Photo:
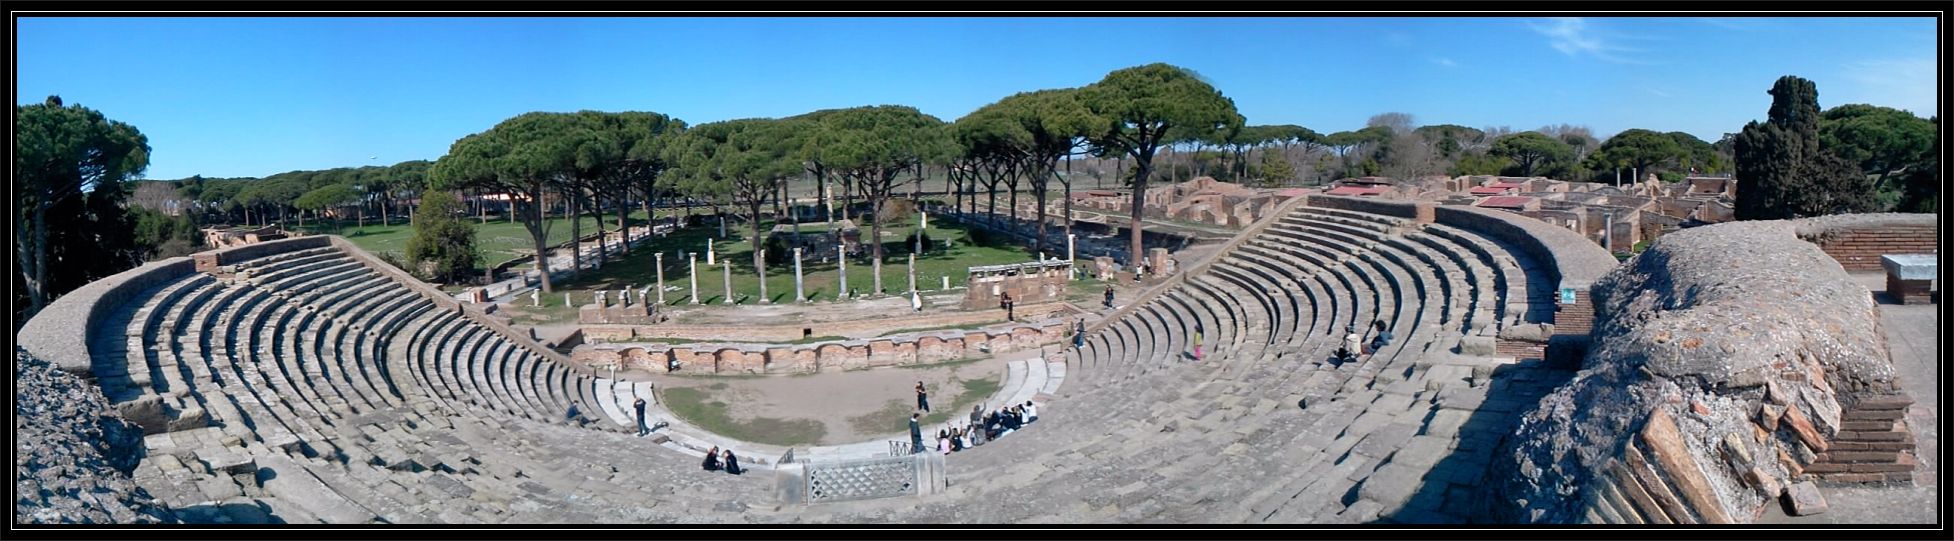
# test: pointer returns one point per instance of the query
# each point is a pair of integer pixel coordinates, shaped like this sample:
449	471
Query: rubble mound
1725	361
75	453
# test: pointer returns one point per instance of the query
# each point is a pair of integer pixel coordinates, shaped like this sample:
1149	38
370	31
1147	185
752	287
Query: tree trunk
537	233
1038	245
624	223
759	249
34	266
576	234
1145	165
875	205
597	213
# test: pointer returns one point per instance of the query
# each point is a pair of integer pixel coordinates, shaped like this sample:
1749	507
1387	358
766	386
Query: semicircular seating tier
373	397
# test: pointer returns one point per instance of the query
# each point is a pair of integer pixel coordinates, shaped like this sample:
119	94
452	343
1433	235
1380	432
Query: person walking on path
915	433
1004	301
1079	334
1109	297
639	406
922	398
916	301
1197	342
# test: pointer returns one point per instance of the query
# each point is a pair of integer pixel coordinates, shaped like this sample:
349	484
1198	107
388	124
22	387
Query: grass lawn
696	407
821	280
896	412
497	240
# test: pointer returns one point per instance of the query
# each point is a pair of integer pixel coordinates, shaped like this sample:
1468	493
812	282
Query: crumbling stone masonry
1727	363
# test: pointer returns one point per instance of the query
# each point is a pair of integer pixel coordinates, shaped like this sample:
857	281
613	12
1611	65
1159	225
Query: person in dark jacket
922	397
1109	297
712	459
915	433
639	406
732	463
1383	337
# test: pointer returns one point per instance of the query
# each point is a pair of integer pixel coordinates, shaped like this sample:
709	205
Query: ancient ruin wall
1727	362
900	350
1857	240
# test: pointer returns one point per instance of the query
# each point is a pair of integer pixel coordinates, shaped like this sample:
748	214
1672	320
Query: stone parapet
904	350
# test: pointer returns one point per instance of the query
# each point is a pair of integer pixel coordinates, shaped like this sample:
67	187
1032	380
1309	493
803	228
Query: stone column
799	295
566	299
946	283
709	253
692	262
1072	268
912	272
762	254
660	256
727	268
841	253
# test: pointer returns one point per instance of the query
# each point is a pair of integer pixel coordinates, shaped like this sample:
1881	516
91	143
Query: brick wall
1873	444
1859	250
1577	318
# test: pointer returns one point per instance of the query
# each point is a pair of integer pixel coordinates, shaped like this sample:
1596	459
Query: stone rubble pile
74	453
1727	361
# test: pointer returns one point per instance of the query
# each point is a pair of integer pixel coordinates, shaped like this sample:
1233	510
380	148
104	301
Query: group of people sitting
1353	343
985	427
717	460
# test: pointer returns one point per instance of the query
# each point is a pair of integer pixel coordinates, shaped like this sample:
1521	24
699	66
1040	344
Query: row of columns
800	292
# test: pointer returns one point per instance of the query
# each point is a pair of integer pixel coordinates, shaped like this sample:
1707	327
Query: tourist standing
1079	334
639	406
915	433
922	398
1004	301
1109	297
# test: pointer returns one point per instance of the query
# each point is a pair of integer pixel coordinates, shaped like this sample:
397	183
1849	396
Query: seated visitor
956	440
712	459
732	463
943	441
1383	336
1353	344
1031	411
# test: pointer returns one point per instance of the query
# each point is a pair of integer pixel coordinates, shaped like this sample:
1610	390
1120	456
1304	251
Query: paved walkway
1912	336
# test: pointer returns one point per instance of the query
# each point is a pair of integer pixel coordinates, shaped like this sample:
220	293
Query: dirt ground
853	406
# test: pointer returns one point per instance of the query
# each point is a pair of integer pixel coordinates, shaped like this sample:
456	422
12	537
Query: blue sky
251	97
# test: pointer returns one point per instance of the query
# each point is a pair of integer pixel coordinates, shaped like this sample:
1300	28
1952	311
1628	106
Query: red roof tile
1489	190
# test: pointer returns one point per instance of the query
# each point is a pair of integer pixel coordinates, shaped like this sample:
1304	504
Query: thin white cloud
1900	83
1658	92
1443	61
1573	37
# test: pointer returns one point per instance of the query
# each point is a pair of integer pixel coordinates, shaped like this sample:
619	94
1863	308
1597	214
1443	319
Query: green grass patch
700	409
820	280
893	416
974	391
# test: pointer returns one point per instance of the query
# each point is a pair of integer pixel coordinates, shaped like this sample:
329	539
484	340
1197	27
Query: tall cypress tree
1782	170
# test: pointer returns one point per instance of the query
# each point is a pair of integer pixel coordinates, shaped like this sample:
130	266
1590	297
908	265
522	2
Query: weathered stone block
1805	499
